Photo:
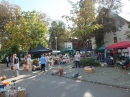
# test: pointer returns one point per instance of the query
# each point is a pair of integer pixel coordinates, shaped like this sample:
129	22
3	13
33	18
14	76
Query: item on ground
21	92
2	94
72	66
55	72
10	91
75	75
3	78
61	70
103	64
65	73
89	69
5	82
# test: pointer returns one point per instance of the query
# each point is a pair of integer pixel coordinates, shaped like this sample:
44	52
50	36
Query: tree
107	11
8	12
44	18
83	18
26	32
57	29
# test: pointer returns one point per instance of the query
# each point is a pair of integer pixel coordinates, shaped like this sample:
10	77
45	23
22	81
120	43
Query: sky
57	8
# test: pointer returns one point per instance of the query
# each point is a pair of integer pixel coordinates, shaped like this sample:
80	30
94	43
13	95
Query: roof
40	49
114	15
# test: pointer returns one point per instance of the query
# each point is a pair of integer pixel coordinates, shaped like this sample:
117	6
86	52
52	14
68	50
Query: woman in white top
29	63
77	59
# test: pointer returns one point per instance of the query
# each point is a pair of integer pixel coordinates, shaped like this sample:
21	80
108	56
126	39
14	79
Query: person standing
7	61
26	65
43	62
77	59
16	64
47	61
29	63
10	60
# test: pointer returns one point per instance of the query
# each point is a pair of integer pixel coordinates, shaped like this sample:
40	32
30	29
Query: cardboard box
2	94
88	69
22	93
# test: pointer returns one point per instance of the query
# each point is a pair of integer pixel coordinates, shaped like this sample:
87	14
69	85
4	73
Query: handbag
12	68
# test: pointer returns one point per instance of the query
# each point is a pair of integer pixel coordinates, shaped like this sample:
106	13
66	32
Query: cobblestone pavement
102	75
45	85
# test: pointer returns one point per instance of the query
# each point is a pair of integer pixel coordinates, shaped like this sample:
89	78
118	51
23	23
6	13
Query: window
115	39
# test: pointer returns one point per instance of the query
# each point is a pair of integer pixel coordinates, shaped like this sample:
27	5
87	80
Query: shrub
88	62
21	62
3	55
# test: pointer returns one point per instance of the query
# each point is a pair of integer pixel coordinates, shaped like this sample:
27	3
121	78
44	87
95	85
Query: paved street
46	85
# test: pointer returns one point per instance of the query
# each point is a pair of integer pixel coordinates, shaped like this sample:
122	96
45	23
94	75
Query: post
0	46
56	45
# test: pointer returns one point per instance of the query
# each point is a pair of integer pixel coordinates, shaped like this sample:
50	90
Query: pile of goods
2	77
89	69
7	89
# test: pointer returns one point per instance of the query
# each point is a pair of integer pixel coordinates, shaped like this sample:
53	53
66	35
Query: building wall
109	37
68	45
73	43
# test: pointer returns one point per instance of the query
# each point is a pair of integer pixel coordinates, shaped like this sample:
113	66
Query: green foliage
88	62
3	54
21	62
57	29
83	18
30	32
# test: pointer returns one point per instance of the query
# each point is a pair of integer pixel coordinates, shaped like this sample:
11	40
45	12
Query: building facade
117	36
76	44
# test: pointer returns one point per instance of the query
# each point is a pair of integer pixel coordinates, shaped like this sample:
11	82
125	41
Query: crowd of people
42	63
46	61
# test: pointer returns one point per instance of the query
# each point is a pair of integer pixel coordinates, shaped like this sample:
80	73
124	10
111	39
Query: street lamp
56	45
0	46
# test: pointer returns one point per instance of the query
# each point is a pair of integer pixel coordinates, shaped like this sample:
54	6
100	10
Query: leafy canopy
26	32
83	19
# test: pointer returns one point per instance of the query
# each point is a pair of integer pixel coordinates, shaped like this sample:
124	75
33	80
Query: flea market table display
8	89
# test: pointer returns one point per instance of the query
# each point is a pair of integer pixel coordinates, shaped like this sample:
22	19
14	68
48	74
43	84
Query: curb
117	86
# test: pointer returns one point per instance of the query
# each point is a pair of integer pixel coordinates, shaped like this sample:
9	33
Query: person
35	65
26	65
10	60
47	61
43	62
16	64
77	59
7	61
29	62
114	55
110	61
125	62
